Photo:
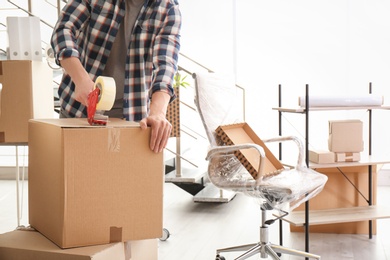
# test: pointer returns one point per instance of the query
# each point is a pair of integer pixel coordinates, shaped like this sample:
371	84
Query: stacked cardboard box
27	93
32	245
321	156
345	143
93	185
346	139
92	191
88	186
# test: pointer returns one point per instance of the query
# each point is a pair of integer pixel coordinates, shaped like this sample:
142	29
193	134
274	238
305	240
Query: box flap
83	123
242	133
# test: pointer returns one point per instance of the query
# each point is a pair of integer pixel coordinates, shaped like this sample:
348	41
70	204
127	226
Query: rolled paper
342	101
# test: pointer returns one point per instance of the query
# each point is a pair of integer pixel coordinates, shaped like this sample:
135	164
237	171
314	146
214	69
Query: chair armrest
232	148
297	141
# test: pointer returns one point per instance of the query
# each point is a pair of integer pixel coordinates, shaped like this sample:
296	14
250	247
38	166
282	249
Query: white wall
335	46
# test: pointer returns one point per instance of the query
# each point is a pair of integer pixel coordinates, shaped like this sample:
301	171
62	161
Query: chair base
265	250
210	193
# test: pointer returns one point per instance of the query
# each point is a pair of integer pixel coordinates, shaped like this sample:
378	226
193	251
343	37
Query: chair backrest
216	100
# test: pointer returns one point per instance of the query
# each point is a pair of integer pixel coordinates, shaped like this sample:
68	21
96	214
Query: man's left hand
161	130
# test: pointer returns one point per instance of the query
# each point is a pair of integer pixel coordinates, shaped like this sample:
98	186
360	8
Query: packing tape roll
107	92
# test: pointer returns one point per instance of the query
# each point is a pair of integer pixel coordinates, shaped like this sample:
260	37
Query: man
136	42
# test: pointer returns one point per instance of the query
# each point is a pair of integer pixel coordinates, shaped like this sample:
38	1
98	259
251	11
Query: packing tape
107	92
114	139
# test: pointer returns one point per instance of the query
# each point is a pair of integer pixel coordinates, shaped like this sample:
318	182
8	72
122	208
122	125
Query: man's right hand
78	74
82	91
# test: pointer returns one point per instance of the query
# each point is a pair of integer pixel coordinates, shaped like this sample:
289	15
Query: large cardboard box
27	93
31	245
345	136
242	133
93	185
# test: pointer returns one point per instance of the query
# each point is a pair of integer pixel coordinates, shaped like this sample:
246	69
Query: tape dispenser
101	99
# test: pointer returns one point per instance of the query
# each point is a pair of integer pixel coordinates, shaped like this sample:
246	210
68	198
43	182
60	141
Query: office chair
281	190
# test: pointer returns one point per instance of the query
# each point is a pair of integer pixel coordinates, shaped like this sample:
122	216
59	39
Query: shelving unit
309	217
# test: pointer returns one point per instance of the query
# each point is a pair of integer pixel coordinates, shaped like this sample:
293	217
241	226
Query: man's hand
161	128
84	84
82	91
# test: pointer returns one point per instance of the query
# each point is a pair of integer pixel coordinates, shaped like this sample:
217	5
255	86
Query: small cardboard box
347	157
31	245
321	156
27	93
242	133
93	185
345	136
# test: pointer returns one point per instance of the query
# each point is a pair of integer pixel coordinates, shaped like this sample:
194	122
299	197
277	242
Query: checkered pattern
87	29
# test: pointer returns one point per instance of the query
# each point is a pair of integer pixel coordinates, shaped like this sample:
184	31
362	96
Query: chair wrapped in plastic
282	189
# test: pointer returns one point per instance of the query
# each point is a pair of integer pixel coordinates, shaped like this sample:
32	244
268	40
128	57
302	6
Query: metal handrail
30	13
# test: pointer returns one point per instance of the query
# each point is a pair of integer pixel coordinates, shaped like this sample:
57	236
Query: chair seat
289	186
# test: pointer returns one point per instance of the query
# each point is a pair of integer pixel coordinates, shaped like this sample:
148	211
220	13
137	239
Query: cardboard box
31	245
242	133
321	156
142	249
27	93
345	136
347	157
93	185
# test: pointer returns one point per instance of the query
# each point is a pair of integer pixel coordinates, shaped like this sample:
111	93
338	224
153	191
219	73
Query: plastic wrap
288	189
216	102
285	190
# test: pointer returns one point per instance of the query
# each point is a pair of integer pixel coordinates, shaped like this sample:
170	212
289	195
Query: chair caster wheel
219	257
165	235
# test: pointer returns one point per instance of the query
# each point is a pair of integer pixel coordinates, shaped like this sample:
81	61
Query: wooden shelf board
339	215
364	161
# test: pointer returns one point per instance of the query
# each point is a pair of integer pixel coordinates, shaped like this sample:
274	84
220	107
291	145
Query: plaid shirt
86	29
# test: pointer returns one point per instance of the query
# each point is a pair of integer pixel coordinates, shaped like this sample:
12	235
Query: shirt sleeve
166	52
64	39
